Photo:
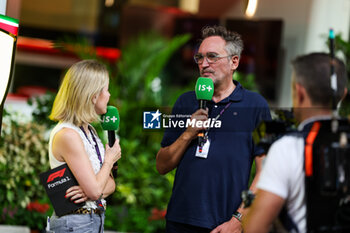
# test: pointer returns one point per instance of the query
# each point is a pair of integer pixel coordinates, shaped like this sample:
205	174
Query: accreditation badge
205	150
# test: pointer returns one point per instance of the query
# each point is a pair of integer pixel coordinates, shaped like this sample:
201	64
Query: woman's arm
77	195
109	188
68	146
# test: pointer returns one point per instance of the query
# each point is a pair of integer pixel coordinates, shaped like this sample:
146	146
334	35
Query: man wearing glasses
206	195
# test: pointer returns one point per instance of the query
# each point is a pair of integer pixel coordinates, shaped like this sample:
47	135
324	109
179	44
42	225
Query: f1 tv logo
55	175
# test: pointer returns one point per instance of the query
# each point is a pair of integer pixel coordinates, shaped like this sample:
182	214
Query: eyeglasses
210	57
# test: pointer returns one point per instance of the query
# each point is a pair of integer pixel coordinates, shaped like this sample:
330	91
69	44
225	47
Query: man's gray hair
234	42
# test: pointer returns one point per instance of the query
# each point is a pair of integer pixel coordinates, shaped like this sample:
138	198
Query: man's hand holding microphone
204	92
199	115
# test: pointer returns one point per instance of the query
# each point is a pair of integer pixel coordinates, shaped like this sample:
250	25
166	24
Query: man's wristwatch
237	215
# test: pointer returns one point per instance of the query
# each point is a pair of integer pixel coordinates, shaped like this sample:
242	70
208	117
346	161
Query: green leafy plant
42	108
342	46
23	156
246	80
33	216
138	86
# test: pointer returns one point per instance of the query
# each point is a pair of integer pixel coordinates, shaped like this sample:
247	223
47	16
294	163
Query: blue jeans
77	223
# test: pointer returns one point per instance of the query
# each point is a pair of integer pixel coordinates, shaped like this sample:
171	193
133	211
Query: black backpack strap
287	221
322	188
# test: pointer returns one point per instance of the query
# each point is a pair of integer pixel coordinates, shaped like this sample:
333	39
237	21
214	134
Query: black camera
269	131
266	133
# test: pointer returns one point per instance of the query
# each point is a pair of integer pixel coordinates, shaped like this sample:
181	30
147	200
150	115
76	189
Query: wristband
237	215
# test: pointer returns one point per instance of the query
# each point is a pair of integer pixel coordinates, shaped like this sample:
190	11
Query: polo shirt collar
236	95
310	120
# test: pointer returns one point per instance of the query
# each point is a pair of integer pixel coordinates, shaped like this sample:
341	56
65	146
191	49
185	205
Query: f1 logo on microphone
151	120
55	175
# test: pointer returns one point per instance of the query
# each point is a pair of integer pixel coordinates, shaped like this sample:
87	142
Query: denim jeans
77	223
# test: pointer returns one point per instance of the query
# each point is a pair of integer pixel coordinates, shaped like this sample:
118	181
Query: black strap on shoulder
287	221
324	162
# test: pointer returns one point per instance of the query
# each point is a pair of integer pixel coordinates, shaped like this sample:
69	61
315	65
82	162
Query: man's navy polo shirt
207	192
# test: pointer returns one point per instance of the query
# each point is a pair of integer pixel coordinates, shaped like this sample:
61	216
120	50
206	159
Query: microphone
204	92
110	122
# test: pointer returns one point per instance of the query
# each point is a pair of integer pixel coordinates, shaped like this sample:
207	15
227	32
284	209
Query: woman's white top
90	151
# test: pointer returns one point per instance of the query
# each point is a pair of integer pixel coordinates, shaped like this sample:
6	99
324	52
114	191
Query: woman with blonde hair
82	97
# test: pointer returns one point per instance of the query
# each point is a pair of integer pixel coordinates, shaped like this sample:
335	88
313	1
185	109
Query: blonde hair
74	100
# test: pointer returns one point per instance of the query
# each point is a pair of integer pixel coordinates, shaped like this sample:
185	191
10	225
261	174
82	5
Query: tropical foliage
23	156
342	46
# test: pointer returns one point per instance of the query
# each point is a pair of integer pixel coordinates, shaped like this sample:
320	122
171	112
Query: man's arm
234	225
263	212
169	157
258	168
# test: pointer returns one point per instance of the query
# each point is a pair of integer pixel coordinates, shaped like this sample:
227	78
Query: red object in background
25	92
47	47
111	54
174	11
32	91
16	97
36	45
157	214
38	207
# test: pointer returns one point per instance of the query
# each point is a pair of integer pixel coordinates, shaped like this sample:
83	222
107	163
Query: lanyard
97	202
96	145
216	118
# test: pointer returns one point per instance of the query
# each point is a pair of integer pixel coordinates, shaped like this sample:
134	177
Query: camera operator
282	192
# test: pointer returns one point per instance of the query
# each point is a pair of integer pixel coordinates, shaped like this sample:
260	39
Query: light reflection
251	8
